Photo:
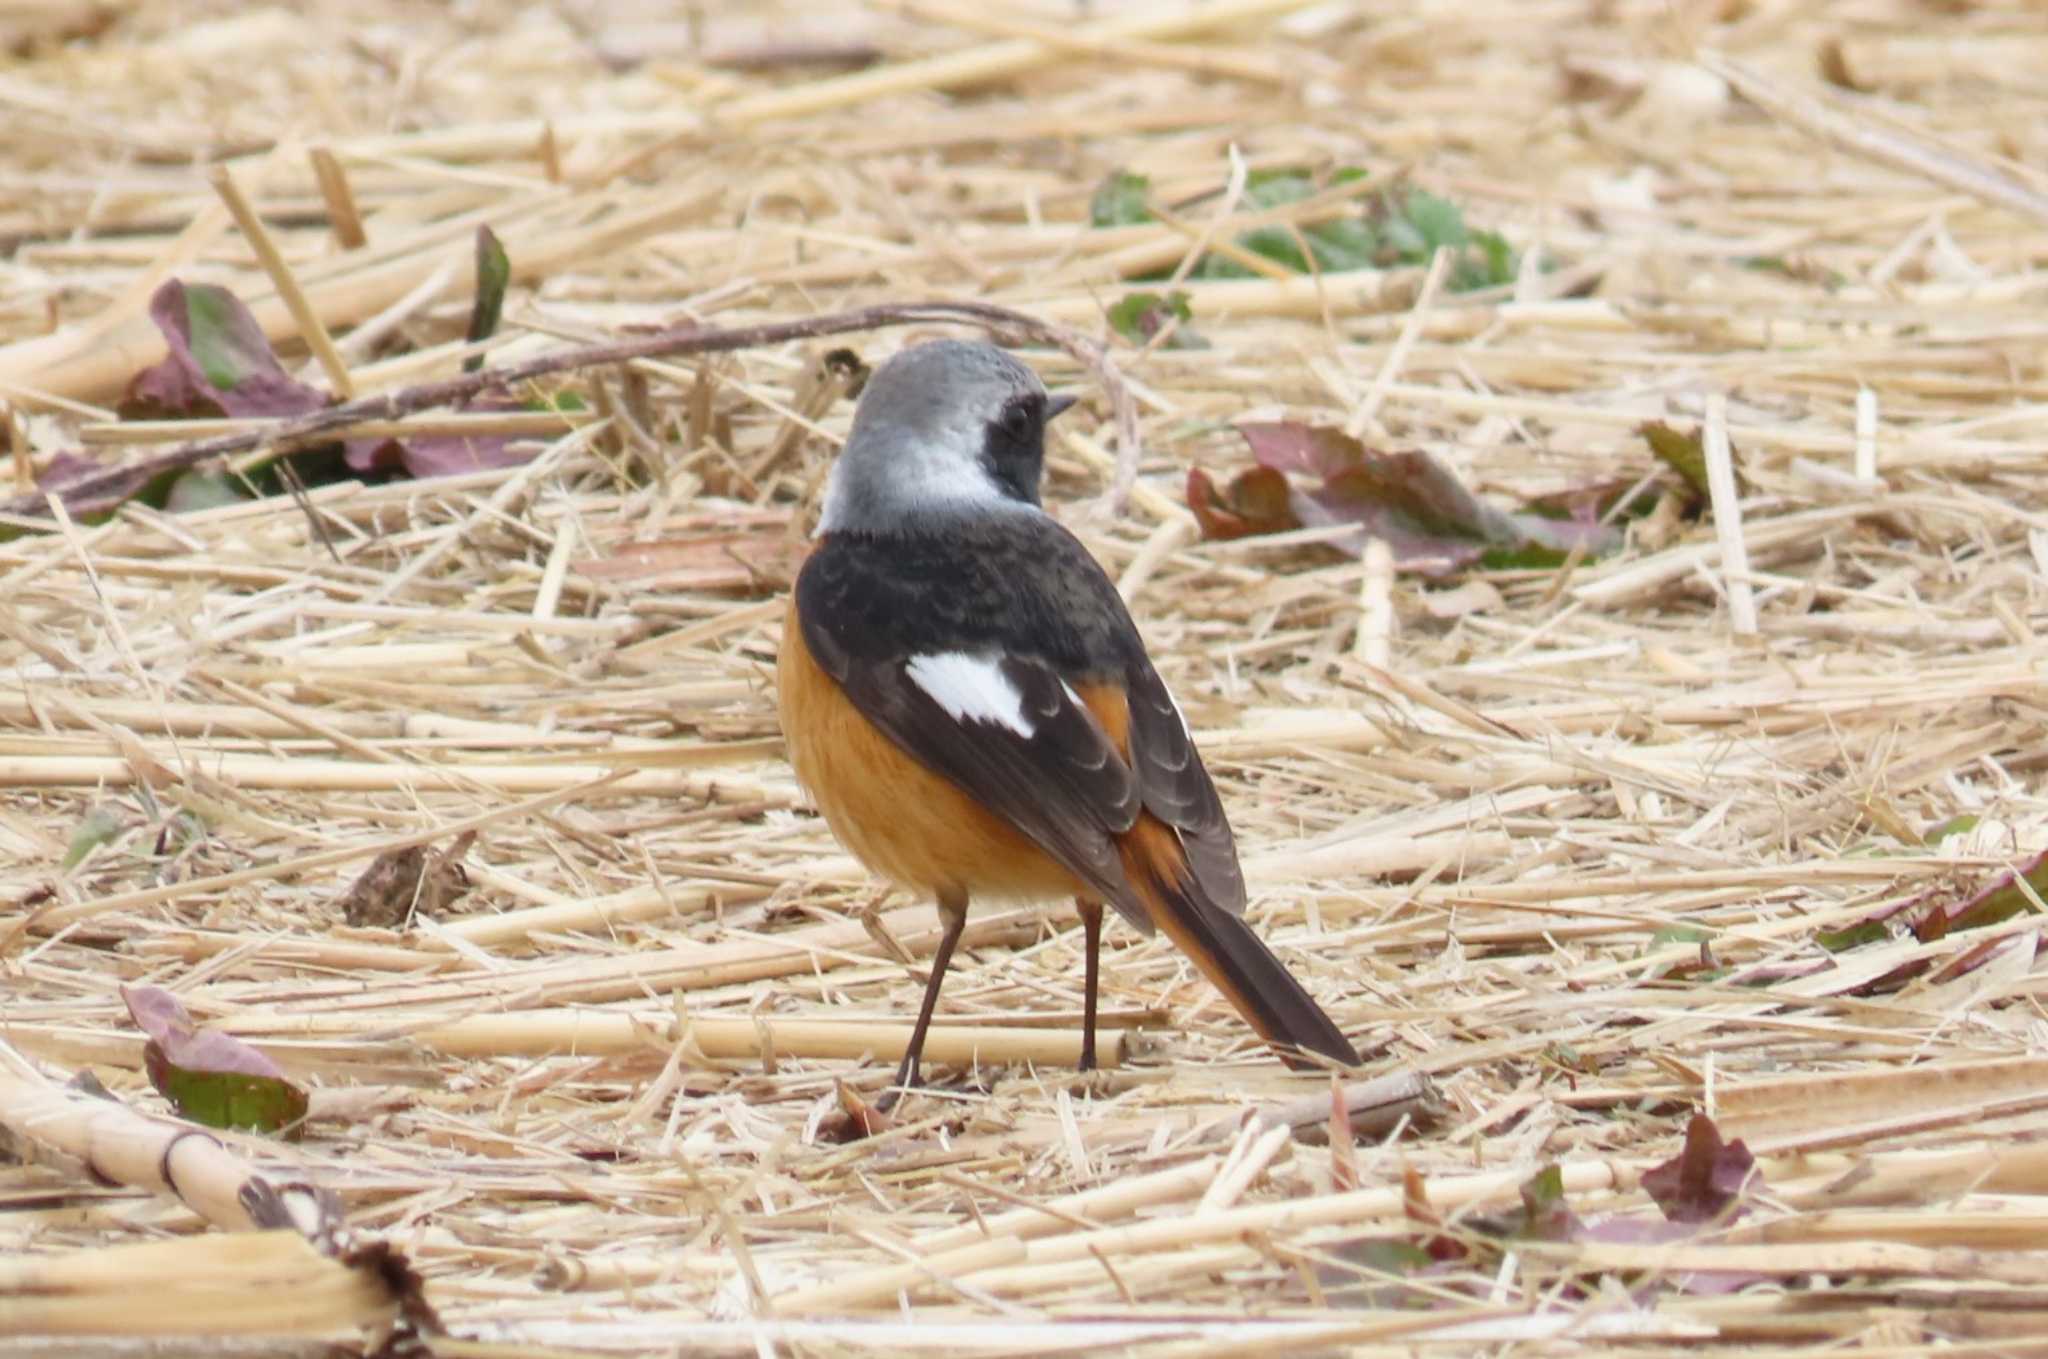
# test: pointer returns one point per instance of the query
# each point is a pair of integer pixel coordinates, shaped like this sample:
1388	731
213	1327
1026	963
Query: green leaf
1960	824
1499	257
2004	901
198	490
1682	453
1438	221
212	324
1545	1214
1389	1255
1677	934
1524	557
212	1078
1276	243
493	275
1120	201
1140	316
1276	187
98	827
220	1099
1852	936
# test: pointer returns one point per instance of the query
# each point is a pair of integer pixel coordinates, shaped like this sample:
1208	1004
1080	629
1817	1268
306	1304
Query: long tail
1226	950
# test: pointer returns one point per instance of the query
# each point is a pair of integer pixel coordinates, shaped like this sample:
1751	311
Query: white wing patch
971	689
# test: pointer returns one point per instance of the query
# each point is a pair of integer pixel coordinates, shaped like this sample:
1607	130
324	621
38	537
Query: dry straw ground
584	1102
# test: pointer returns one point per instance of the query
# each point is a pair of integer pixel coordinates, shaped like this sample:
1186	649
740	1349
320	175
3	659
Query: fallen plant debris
1706	1181
1703	1187
406	882
1412	502
1469	870
1684	454
211	1077
98	827
1935	914
1399	226
854	1119
1141	317
87	487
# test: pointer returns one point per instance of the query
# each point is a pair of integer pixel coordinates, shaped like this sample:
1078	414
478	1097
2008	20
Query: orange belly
906	823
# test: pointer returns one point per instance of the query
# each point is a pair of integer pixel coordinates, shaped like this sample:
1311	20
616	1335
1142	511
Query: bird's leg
953	916
1091	924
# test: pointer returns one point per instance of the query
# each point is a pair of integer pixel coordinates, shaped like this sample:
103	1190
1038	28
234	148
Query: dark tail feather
1223	946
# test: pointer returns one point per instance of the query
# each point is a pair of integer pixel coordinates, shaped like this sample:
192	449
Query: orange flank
907	823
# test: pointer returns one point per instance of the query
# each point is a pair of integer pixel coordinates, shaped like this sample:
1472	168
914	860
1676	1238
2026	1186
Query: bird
965	697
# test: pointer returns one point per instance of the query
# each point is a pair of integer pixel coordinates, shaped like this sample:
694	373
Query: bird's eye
1017	420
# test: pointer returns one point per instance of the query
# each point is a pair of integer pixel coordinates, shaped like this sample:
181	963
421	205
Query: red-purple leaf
441	455
220	362
1705	1180
2000	902
1306	450
1416	1207
159	1014
212	1078
1410	501
1545	1214
1257	500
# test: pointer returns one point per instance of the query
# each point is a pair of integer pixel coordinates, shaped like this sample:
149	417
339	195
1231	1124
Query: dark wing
1175	787
1024	746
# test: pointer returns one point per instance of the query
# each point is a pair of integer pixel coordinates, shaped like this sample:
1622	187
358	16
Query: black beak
1056	403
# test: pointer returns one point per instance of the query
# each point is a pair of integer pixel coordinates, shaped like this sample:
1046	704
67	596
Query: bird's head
945	430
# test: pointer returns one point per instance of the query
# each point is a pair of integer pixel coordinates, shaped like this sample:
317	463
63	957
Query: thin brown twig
115	483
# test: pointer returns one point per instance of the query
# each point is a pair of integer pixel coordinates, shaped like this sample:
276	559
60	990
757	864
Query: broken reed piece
217	1284
343	216
1374	1108
311	328
1727	502
583	1033
161	1155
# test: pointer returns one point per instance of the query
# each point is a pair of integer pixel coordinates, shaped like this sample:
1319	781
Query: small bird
967	700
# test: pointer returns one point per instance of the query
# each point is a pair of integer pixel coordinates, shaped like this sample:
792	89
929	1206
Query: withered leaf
1257	500
1705	1179
400	883
1410	501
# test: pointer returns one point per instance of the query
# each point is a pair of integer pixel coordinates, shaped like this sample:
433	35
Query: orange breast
903	821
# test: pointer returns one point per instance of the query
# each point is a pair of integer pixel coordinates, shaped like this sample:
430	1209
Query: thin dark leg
1091	922
953	914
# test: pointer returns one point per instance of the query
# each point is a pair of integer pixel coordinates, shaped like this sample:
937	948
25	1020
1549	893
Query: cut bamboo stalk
241	1283
516	424
587	1034
1447	1193
311	331
260	771
1727	509
690	967
1887	145
343	216
599	914
1758	1111
861	1289
1087	1208
1128	51
2026	1267
994	61
114	1142
57	917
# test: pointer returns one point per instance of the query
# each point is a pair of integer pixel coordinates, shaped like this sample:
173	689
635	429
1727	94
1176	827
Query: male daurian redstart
966	698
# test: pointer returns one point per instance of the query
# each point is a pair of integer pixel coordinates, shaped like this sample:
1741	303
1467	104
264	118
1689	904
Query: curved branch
117	483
